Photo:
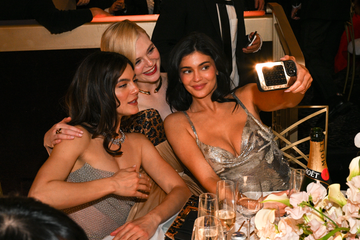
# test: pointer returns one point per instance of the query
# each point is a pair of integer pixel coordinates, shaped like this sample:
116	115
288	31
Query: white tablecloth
160	232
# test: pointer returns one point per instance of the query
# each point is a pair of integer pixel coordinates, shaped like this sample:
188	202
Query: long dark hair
177	96
91	99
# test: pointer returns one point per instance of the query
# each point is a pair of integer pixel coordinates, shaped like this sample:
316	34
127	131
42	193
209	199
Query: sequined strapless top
259	156
100	217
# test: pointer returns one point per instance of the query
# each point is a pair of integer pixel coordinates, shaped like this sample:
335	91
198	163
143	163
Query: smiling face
198	74
126	91
147	60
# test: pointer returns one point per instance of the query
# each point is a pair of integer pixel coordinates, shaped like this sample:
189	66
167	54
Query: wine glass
249	197
225	192
208	204
207	228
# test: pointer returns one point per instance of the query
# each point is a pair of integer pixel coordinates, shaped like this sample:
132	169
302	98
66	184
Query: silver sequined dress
101	217
260	156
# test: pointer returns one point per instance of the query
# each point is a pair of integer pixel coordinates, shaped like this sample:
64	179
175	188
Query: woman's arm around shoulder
60	131
169	180
279	99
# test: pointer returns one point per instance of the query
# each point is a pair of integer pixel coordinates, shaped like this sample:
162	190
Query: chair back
287	135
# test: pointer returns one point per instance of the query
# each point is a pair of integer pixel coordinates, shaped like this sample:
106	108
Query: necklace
156	89
119	140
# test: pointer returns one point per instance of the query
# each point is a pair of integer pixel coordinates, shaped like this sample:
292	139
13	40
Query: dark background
32	87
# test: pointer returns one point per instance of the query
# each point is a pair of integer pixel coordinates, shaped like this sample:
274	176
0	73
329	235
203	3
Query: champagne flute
249	197
208	204
207	228
225	190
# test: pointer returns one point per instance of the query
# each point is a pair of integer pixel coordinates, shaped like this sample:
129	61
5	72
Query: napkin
181	228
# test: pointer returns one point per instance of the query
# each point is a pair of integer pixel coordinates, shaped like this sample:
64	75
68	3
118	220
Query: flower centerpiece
315	213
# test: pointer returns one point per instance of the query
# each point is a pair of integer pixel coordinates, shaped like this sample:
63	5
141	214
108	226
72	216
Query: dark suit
322	23
181	17
136	7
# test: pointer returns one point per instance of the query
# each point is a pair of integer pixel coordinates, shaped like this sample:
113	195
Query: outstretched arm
280	99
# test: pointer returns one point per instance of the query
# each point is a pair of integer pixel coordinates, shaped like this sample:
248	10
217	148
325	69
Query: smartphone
252	39
275	75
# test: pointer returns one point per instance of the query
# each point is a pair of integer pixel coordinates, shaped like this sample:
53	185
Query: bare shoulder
247	89
136	137
246	93
177	118
249	95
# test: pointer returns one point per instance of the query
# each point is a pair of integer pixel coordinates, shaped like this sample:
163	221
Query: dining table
179	226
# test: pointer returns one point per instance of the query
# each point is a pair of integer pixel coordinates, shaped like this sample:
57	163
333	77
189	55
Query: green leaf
332	233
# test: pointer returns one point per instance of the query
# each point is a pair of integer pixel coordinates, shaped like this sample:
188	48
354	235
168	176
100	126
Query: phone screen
252	39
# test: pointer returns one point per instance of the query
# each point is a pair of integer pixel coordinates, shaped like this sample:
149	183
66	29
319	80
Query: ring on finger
58	131
139	175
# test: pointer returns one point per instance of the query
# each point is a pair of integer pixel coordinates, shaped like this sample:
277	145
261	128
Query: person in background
139	7
179	18
26	218
117	8
46	14
341	56
123	7
96	178
254	5
322	24
217	134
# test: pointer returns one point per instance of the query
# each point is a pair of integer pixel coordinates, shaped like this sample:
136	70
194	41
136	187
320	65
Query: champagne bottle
316	169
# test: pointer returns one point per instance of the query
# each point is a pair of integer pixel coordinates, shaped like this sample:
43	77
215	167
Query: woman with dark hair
218	134
26	218
96	178
177	96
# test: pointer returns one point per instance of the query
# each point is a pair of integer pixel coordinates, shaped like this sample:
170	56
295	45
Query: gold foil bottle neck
317	156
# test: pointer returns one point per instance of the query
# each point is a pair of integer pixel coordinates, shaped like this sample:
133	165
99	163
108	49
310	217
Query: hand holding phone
275	75
252	39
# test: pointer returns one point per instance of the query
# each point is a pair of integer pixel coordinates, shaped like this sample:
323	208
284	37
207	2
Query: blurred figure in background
179	18
123	7
341	56
322	23
46	14
26	218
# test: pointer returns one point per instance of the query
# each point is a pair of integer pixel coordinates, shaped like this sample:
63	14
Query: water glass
208	204
207	228
296	178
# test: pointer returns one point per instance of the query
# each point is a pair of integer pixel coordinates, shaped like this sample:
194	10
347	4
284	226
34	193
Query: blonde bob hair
121	37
